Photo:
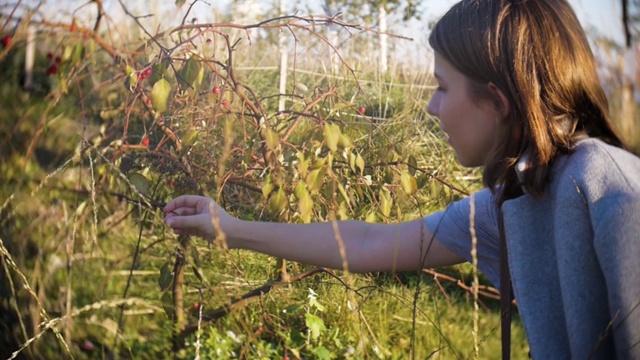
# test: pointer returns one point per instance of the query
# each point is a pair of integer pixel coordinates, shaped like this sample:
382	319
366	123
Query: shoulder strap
505	293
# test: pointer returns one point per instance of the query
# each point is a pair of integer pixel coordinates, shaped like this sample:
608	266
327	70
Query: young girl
518	94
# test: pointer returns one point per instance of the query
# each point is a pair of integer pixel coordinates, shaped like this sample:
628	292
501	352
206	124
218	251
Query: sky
603	15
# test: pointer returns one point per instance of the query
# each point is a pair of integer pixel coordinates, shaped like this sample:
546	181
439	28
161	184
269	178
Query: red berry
361	110
144	74
6	40
49	56
88	345
170	183
225	102
58	60
216	90
148	101
73	27
145	141
196	305
208	41
52	70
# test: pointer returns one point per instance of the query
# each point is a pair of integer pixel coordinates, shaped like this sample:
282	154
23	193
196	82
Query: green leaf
268	186
140	183
315	324
278	202
332	136
158	71
189	138
413	165
131	81
195	255
167	304
190	75
165	279
160	95
409	183
322	353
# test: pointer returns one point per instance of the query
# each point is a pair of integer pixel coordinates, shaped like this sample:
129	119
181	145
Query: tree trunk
382	17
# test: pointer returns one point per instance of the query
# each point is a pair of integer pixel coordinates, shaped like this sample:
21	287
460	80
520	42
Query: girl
518	94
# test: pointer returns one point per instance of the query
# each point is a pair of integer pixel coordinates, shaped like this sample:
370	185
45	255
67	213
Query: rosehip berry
145	141
58	59
225	102
88	345
148	101
73	27
52	70
196	305
208	41
49	56
216	90
6	40
361	110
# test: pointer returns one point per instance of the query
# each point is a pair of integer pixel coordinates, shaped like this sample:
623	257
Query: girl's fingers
183	211
183	201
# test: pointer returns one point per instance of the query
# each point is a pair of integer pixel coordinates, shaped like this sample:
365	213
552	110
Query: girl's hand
196	215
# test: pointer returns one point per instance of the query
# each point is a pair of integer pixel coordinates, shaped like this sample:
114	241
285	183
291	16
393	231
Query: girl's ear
501	101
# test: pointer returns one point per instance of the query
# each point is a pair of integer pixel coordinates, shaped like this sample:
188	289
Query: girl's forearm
356	245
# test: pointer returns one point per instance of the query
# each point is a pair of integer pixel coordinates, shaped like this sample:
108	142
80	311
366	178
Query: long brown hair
537	54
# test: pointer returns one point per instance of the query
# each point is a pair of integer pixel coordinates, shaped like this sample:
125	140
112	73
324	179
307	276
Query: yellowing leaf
360	163
345	142
332	135
315	179
160	95
305	204
409	183
303	165
271	138
385	202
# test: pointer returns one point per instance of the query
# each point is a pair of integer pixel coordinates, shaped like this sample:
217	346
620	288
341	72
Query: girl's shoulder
599	167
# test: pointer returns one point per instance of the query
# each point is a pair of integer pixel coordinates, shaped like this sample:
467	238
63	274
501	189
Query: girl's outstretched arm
360	246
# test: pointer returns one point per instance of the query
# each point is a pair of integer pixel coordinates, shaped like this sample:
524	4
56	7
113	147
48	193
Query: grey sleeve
451	227
616	225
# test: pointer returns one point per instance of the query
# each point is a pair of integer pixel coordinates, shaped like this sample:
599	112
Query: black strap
505	294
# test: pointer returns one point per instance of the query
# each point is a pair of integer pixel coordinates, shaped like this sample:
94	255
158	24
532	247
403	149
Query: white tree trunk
382	19
29	57
283	62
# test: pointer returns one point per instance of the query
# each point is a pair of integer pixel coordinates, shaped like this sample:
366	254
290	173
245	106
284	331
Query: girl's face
470	123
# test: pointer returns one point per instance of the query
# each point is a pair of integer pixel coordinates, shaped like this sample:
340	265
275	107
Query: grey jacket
574	254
